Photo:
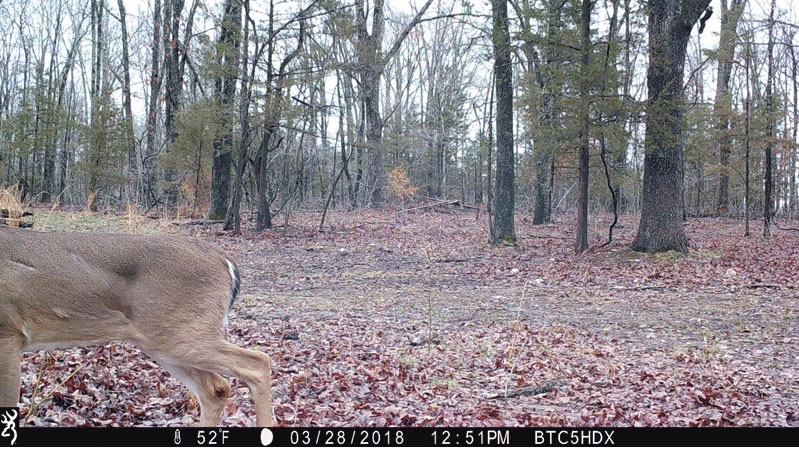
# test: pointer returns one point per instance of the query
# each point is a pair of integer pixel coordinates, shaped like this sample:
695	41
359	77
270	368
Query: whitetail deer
167	295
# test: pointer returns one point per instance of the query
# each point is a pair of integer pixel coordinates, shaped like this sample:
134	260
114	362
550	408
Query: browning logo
8	422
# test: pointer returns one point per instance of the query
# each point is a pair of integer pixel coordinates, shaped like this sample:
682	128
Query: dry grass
90	200
132	217
12	206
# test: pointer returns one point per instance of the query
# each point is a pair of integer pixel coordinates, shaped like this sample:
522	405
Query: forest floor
413	319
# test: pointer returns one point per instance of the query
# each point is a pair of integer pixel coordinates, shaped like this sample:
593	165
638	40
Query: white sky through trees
22	16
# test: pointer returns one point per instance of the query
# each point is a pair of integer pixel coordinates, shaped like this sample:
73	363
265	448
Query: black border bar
402	437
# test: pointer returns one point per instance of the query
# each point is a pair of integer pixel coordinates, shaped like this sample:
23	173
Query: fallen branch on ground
640	287
789	286
525	391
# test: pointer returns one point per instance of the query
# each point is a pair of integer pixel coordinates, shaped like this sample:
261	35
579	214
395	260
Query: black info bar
396	437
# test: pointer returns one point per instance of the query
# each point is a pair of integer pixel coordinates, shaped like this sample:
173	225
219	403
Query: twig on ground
789	286
640	287
525	391
36	405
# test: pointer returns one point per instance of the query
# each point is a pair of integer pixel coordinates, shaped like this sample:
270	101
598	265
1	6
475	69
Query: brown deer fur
170	296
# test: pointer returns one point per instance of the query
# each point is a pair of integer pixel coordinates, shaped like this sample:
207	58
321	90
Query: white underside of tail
234	279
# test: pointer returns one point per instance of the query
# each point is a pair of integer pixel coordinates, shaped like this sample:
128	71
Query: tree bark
661	226
722	105
173	89
767	179
794	147
547	140
274	96
747	118
372	62
132	162
150	156
581	238
504	229
225	89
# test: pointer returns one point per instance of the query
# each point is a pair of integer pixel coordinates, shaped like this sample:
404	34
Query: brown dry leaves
624	339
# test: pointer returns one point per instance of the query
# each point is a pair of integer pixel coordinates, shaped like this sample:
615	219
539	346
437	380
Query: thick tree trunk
722	105
504	229
374	138
225	89
661	227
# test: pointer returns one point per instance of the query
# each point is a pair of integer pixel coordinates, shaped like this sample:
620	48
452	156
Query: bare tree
723	103
581	238
132	163
768	183
151	154
371	62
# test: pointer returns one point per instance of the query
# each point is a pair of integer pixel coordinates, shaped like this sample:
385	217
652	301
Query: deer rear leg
10	371
210	388
252	367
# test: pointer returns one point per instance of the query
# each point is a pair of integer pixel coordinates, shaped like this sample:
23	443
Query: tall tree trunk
747	116
504	229
50	160
661	227
374	138
132	160
549	85
767	179
581	238
722	105
275	83
244	116
225	89
372	61
620	161
794	147
150	157
174	88
96	147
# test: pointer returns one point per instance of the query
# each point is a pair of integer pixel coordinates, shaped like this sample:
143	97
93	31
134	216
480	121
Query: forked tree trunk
661	227
372	61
